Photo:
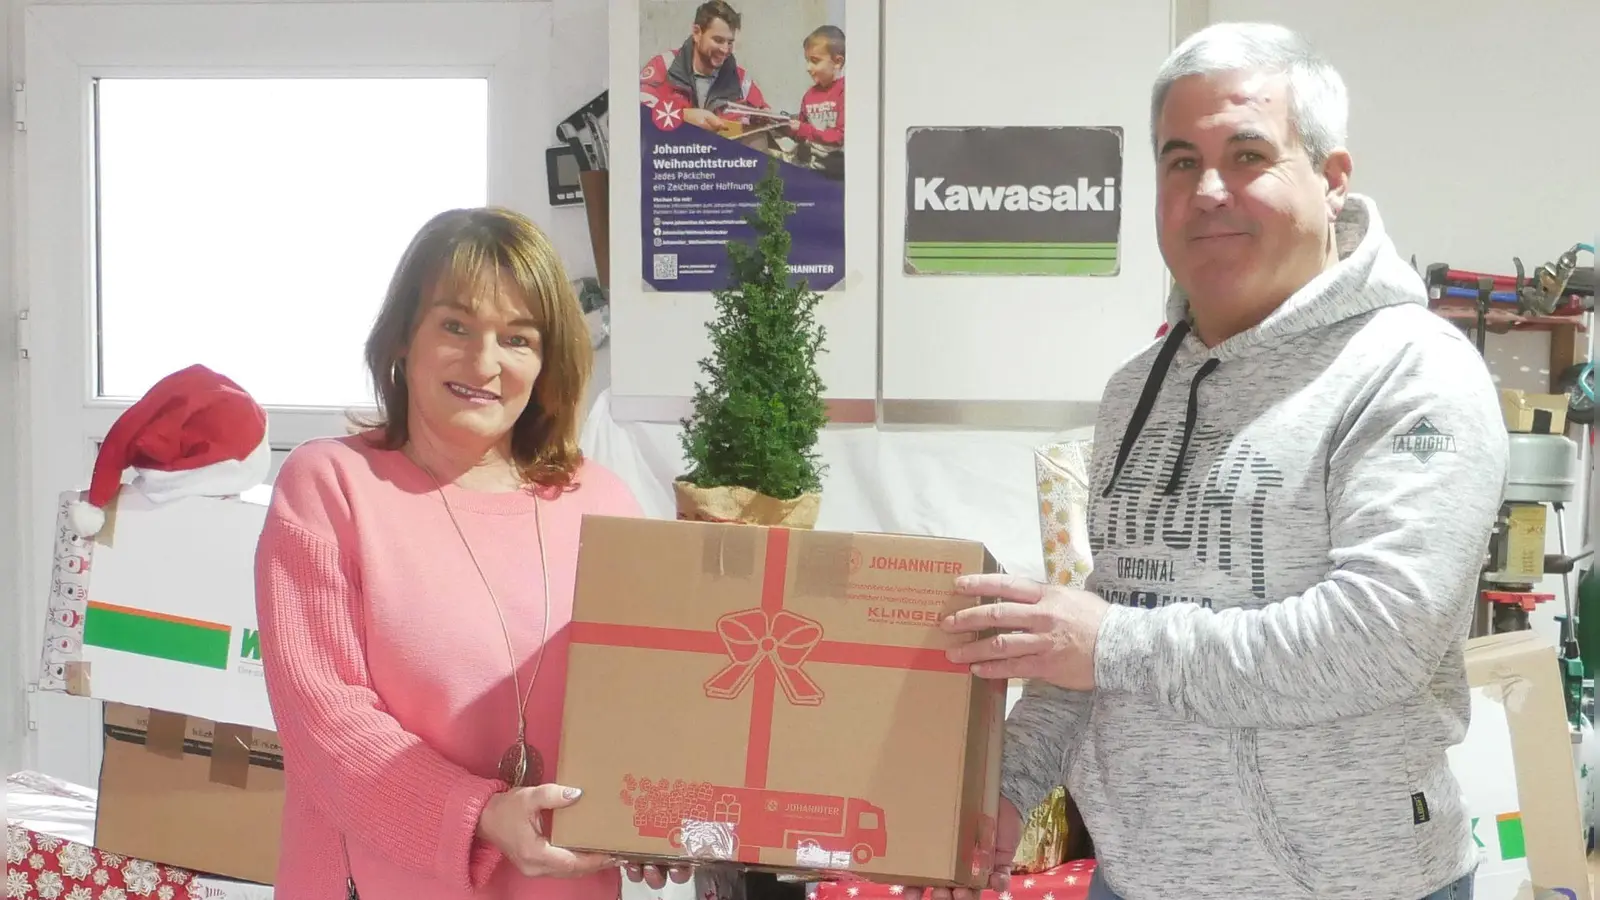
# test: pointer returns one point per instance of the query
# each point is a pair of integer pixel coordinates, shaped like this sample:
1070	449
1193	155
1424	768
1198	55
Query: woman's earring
398	372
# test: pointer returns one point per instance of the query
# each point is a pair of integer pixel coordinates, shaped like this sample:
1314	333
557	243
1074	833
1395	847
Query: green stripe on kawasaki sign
998	258
174	638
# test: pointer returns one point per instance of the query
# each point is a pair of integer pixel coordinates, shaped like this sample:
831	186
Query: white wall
579	28
1473	151
1020	338
13	723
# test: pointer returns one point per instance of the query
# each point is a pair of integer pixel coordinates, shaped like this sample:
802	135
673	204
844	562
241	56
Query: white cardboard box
158	610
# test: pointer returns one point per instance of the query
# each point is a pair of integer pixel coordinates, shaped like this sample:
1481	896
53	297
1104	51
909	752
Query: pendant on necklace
522	766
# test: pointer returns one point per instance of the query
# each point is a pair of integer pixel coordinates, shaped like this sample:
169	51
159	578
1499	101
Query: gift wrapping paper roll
1062	472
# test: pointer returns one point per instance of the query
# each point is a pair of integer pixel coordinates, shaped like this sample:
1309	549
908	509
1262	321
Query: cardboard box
1517	771
50	824
1527	413
157	612
159	609
189	792
779	699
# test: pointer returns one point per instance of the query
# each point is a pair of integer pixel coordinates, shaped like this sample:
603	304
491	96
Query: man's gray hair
1319	106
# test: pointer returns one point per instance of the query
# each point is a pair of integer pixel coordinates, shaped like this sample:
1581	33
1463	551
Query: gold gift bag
1045	833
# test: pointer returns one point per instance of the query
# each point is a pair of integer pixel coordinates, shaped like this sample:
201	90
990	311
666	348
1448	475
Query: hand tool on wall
585	131
1546	290
1561	287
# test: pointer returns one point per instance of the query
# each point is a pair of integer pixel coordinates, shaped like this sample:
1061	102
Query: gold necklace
523	764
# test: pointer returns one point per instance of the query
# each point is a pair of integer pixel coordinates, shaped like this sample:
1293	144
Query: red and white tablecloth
44	867
1068	881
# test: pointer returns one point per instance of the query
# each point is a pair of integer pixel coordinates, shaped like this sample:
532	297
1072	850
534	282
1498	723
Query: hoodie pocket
1257	804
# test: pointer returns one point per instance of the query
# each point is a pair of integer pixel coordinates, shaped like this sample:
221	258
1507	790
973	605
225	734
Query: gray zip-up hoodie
1290	526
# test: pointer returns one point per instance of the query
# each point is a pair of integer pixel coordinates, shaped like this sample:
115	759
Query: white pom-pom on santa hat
85	519
193	434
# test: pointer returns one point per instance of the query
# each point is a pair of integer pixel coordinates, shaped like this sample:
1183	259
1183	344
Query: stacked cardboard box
155	616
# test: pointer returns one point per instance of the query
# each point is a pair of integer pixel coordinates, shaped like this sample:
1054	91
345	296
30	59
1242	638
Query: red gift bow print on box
783	639
767	648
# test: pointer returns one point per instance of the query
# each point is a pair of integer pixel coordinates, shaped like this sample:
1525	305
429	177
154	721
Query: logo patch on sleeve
1424	441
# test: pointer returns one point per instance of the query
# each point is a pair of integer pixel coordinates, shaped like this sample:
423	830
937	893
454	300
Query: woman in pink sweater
414	581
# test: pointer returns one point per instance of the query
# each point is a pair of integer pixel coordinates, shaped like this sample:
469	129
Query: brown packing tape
165	734
108	531
77	678
729	551
230	755
822	563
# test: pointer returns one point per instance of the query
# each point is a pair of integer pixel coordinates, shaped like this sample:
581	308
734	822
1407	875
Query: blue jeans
1461	890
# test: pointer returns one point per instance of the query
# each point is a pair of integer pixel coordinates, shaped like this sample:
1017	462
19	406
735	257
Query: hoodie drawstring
1147	401
1206	368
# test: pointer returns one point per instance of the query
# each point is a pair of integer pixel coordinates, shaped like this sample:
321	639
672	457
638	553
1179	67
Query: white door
231	184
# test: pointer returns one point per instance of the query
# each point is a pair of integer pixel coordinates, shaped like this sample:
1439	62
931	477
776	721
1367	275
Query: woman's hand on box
1007	834
658	876
1046	632
515	822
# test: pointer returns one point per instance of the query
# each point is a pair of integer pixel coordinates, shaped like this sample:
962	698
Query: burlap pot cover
745	507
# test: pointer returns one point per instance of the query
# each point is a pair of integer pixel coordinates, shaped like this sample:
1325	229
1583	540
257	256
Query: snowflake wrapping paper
41	867
1068	881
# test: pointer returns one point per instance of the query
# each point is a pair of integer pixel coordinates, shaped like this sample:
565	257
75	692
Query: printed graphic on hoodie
1217	517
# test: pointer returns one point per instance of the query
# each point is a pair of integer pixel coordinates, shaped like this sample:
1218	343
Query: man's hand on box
1007	834
1047	632
514	822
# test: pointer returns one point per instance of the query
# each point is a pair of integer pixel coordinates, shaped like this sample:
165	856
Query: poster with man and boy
724	88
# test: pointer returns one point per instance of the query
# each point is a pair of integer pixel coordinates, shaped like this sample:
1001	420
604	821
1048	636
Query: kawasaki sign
1013	201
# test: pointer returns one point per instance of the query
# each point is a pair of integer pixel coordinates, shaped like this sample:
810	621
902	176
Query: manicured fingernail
571	793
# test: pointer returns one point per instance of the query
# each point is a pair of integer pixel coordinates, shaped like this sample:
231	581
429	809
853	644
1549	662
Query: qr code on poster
666	265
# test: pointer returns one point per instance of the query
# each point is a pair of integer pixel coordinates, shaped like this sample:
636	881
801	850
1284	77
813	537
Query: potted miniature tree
750	442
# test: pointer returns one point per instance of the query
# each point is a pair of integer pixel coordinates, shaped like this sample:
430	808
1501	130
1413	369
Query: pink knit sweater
388	672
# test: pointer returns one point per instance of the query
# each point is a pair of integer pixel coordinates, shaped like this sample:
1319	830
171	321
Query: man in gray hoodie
1293	492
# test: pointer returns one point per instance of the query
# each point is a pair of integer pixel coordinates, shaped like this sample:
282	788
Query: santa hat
195	433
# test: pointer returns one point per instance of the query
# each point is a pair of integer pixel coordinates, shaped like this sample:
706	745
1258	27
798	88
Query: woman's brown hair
454	255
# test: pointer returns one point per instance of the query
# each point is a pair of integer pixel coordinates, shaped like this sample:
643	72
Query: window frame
67	48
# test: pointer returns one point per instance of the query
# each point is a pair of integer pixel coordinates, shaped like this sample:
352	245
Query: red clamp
1523	599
